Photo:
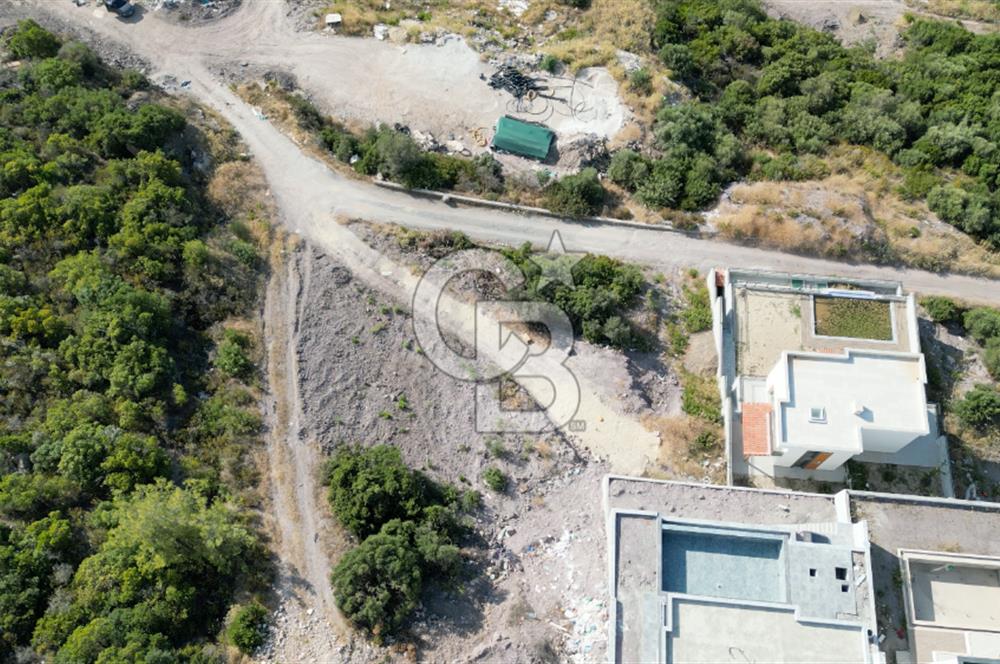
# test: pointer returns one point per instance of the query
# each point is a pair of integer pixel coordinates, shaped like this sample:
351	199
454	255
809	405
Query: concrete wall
890	442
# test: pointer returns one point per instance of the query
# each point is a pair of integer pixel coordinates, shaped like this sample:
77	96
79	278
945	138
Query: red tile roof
756	429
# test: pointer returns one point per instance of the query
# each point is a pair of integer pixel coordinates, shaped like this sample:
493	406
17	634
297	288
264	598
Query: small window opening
817	414
841	573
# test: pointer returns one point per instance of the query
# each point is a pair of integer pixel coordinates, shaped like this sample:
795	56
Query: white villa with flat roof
845	404
815	371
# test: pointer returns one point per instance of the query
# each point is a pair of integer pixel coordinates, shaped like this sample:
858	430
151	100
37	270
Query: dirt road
307	622
430	87
311	194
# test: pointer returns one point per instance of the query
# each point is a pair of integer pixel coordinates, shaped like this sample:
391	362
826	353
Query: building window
817	414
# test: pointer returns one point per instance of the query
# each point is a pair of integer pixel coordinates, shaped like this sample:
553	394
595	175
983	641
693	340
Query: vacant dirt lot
535	581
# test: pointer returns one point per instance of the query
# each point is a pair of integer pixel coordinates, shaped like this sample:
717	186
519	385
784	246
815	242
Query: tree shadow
458	607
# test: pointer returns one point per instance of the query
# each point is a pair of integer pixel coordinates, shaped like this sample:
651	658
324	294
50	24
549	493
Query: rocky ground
535	586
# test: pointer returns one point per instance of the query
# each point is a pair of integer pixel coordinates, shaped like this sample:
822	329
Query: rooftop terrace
695	590
829	401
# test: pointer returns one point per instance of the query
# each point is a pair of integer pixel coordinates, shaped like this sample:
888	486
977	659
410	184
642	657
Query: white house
798	400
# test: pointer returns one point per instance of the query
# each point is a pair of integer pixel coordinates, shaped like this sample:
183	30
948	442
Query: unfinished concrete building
703	573
814	371
695	590
952	607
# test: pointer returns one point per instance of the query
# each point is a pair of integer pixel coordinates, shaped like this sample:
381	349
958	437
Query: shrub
706	442
406	522
641	81
697	315
495	479
231	357
991	357
577	195
982	323
700	398
549	63
368	488
980	407
53	74
941	309
31	40
628	168
249	628
377	584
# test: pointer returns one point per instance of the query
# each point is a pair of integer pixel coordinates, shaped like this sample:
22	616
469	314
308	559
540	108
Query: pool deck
712	633
730	598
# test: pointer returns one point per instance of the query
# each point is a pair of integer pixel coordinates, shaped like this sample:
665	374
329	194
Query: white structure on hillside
844	405
816	371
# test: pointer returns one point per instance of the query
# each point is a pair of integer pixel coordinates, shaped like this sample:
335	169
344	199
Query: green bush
991	357
641	81
231	356
30	40
377	584
982	323
578	195
495	479
700	398
549	63
370	487
980	407
602	289
405	523
697	314
628	168
249	627
941	309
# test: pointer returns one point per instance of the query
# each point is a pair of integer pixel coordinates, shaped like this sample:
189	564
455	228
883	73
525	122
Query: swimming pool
715	562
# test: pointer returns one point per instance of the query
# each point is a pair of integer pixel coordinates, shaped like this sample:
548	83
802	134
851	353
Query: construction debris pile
510	78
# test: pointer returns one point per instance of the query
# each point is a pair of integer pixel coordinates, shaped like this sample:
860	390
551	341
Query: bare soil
874	21
534	582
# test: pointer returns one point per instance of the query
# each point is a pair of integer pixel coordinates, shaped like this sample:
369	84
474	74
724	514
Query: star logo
556	263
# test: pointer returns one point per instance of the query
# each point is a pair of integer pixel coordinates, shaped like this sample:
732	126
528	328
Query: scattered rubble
629	61
515	7
195	11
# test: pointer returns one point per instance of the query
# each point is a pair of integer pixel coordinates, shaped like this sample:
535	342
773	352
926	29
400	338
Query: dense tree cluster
407	526
117	540
596	293
771	95
578	195
394	155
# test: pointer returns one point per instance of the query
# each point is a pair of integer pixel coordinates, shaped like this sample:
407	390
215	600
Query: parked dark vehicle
123	8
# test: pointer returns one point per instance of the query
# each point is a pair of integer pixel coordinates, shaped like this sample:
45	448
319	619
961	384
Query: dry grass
684	447
979	10
855	211
238	187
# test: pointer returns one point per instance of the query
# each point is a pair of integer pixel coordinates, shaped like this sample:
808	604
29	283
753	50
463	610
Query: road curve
310	194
